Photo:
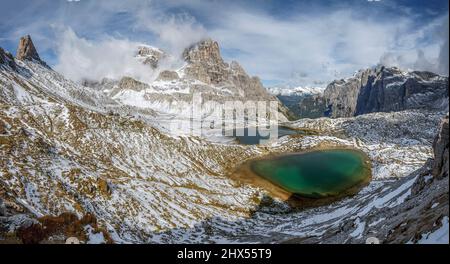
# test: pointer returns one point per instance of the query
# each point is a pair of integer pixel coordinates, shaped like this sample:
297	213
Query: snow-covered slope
295	91
69	148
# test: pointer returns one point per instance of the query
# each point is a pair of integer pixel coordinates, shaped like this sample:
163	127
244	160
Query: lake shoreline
245	174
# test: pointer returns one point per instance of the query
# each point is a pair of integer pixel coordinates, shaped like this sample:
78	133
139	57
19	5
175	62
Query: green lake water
315	174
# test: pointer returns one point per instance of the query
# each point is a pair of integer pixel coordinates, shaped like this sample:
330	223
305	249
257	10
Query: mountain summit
206	51
206	63
26	49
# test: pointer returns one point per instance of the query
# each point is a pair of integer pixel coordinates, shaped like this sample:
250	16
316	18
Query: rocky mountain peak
205	62
26	49
205	51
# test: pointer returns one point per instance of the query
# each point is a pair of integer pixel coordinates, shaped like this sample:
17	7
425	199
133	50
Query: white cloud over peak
175	32
303	47
329	45
80	59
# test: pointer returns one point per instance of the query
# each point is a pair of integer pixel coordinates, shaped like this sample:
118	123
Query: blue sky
307	42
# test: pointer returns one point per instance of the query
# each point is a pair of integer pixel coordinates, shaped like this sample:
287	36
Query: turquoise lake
315	174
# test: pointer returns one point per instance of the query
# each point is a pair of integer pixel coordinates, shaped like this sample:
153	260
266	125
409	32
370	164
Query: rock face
168	76
440	147
312	106
26	49
204	72
131	84
150	55
7	59
384	90
205	62
204	52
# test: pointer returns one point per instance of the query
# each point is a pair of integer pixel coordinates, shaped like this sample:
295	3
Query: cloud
413	53
311	47
80	59
302	43
316	48
175	31
112	55
443	53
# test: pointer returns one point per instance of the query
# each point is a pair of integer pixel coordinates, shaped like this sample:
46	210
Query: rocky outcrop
205	52
7	59
441	151
103	187
61	227
129	83
205	62
150	56
168	76
385	89
26	49
2	128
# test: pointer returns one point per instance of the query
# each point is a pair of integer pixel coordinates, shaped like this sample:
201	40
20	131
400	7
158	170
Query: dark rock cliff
385	90
7	59
440	147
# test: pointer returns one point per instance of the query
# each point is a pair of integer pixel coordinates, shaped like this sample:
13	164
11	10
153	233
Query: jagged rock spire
205	62
206	50
26	49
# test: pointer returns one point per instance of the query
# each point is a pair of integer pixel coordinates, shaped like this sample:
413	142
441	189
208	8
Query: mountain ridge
376	89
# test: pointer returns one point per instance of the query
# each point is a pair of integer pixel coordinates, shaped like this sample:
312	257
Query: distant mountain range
295	91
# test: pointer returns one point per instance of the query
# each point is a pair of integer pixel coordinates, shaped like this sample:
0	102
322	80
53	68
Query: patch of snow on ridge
94	238
133	98
359	228
296	91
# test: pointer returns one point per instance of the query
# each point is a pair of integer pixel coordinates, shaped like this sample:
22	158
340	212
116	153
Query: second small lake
258	135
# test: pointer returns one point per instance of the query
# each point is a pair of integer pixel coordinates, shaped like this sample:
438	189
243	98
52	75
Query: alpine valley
100	160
